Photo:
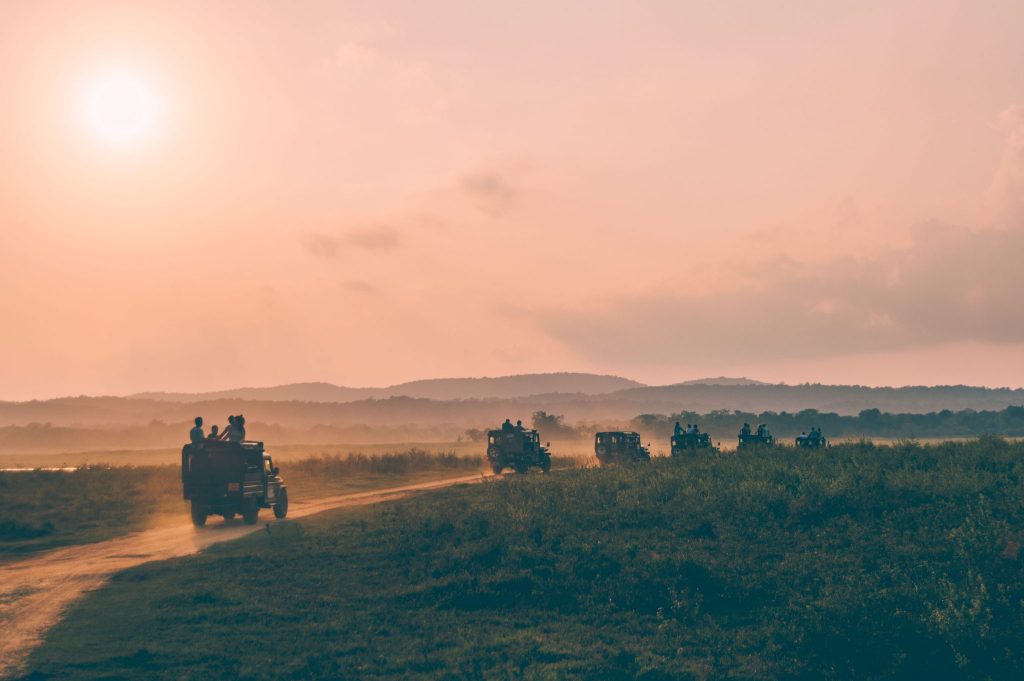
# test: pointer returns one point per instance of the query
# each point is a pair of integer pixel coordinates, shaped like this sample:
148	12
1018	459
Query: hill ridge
483	387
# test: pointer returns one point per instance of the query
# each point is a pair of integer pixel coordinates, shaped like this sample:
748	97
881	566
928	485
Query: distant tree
649	421
551	425
475	435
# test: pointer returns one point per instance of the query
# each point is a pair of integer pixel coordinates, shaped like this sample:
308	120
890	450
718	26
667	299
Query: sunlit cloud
329	245
490	191
953	285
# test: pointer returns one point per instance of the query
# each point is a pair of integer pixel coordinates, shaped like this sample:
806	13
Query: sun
121	108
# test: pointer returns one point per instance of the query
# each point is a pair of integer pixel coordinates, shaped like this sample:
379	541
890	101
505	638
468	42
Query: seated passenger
745	430
507	426
678	429
214	433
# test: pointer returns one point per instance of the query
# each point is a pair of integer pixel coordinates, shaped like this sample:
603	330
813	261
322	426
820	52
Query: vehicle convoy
516	448
229	479
812	440
619	445
690	440
762	437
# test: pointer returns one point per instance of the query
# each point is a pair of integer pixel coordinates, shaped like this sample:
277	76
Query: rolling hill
506	387
476	411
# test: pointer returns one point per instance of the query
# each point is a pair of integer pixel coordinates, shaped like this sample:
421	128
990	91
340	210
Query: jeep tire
198	513
281	507
250	512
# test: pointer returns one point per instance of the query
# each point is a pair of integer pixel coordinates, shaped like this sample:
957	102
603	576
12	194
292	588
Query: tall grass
44	509
336	464
856	562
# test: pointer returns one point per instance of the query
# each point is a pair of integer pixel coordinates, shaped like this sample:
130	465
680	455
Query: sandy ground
35	592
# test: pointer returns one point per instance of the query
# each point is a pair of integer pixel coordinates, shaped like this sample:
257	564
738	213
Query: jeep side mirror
547	444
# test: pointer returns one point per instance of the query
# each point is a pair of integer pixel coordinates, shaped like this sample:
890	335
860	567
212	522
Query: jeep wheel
281	507
198	513
545	464
497	468
251	512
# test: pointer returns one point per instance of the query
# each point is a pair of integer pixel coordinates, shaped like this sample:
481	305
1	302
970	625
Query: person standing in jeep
196	434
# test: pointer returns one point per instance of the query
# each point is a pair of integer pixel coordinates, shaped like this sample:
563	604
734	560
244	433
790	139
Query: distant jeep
688	443
516	448
812	440
619	445
229	479
761	438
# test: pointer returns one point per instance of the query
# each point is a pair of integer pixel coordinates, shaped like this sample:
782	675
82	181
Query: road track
36	591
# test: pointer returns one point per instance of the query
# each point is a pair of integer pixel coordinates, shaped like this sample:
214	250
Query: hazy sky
205	195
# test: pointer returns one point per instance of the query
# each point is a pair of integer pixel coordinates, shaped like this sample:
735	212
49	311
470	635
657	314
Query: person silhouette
237	433
227	431
196	434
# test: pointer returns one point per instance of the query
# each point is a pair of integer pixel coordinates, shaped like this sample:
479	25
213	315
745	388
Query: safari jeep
517	449
755	439
689	443
812	440
619	446
229	479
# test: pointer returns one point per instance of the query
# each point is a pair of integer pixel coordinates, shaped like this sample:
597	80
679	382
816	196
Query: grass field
46	509
857	562
281	454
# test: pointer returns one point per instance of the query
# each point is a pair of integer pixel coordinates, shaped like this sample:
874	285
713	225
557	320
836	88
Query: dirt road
34	592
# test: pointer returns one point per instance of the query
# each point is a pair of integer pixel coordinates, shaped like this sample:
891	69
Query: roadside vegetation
853	562
724	424
42	509
51	442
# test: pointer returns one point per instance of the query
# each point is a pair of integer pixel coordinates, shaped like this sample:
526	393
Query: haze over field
446	410
196	196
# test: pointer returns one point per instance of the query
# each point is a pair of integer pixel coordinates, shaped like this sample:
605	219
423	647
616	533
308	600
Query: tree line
725	424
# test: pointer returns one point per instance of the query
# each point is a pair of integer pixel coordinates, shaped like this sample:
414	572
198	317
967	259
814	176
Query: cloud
383	78
943	284
1007	190
848	215
491	192
360	286
954	284
375	238
320	245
